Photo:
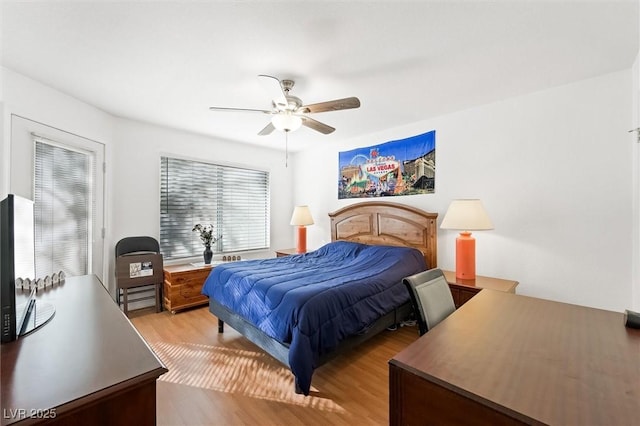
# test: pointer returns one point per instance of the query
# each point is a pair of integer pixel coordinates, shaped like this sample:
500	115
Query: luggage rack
138	266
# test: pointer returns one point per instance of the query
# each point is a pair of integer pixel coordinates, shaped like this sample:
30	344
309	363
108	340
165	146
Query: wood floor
223	379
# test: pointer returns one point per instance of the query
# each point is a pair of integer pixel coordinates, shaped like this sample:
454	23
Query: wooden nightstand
286	252
183	285
463	290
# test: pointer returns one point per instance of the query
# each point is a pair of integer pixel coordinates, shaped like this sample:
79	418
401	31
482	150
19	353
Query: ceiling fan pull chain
286	148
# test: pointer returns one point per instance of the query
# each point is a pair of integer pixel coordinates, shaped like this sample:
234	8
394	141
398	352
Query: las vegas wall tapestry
402	167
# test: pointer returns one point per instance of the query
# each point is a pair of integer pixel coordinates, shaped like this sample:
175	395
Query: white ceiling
167	62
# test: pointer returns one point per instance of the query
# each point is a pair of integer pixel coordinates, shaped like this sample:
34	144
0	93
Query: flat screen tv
17	259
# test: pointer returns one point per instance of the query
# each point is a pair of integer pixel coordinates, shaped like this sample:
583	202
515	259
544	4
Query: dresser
86	366
183	286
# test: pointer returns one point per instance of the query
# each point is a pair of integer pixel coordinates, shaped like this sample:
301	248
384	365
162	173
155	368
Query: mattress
312	301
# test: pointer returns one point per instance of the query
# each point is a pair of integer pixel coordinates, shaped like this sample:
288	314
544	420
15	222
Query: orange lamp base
465	256
302	240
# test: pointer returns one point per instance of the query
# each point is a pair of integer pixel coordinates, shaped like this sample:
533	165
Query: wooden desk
463	290
88	365
509	359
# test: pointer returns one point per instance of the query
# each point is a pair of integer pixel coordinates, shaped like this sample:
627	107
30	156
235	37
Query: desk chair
431	298
138	264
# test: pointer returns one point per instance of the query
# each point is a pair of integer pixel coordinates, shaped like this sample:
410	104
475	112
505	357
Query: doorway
63	174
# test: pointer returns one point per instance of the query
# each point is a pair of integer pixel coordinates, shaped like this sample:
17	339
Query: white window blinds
63	209
234	200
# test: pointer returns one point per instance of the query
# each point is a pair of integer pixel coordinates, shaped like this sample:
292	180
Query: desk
509	359
88	365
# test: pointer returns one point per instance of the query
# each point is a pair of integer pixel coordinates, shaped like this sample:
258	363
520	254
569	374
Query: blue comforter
313	301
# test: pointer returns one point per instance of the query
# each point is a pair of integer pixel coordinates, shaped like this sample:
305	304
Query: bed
305	309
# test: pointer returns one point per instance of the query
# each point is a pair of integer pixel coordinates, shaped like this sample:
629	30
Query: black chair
135	244
431	298
138	263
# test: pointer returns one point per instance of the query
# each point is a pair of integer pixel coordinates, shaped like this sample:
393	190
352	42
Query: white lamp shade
301	216
466	215
286	122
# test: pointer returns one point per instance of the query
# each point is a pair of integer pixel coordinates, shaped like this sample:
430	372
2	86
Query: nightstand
183	286
286	252
463	290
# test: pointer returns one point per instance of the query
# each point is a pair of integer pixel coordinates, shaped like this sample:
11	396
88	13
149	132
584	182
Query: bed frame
371	222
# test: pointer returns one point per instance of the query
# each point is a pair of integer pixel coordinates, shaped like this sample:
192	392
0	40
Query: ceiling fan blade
264	111
316	125
267	130
335	105
274	89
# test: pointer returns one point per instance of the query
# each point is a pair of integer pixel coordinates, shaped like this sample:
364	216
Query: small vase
208	255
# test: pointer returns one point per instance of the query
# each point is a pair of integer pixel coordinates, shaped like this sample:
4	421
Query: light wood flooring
223	379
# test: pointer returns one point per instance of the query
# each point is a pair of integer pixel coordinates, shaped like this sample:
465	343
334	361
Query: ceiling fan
288	112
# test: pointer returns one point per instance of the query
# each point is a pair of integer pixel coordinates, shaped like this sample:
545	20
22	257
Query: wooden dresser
86	366
183	286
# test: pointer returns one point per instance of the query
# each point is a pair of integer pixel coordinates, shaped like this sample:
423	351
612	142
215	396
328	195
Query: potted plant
207	238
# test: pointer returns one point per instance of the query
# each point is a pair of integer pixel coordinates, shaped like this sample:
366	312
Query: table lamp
301	218
466	215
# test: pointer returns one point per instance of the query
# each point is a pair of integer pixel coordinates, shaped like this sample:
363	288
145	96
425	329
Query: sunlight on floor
235	371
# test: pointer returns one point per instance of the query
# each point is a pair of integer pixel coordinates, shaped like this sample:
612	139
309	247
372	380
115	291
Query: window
234	200
63	209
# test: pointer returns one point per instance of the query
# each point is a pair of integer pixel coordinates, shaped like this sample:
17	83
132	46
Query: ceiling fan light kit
288	112
286	122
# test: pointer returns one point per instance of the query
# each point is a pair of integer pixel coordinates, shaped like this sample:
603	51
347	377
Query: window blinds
234	200
62	210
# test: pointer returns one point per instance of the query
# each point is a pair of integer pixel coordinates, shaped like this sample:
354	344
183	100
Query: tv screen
17	257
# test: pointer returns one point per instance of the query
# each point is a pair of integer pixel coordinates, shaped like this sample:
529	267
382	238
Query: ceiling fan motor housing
287	85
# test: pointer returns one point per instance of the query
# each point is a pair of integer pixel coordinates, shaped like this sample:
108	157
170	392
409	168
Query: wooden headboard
391	224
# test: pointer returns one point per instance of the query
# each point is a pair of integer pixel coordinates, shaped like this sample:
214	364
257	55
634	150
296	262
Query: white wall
132	157
635	73
59	112
635	76
136	177
554	171
30	99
